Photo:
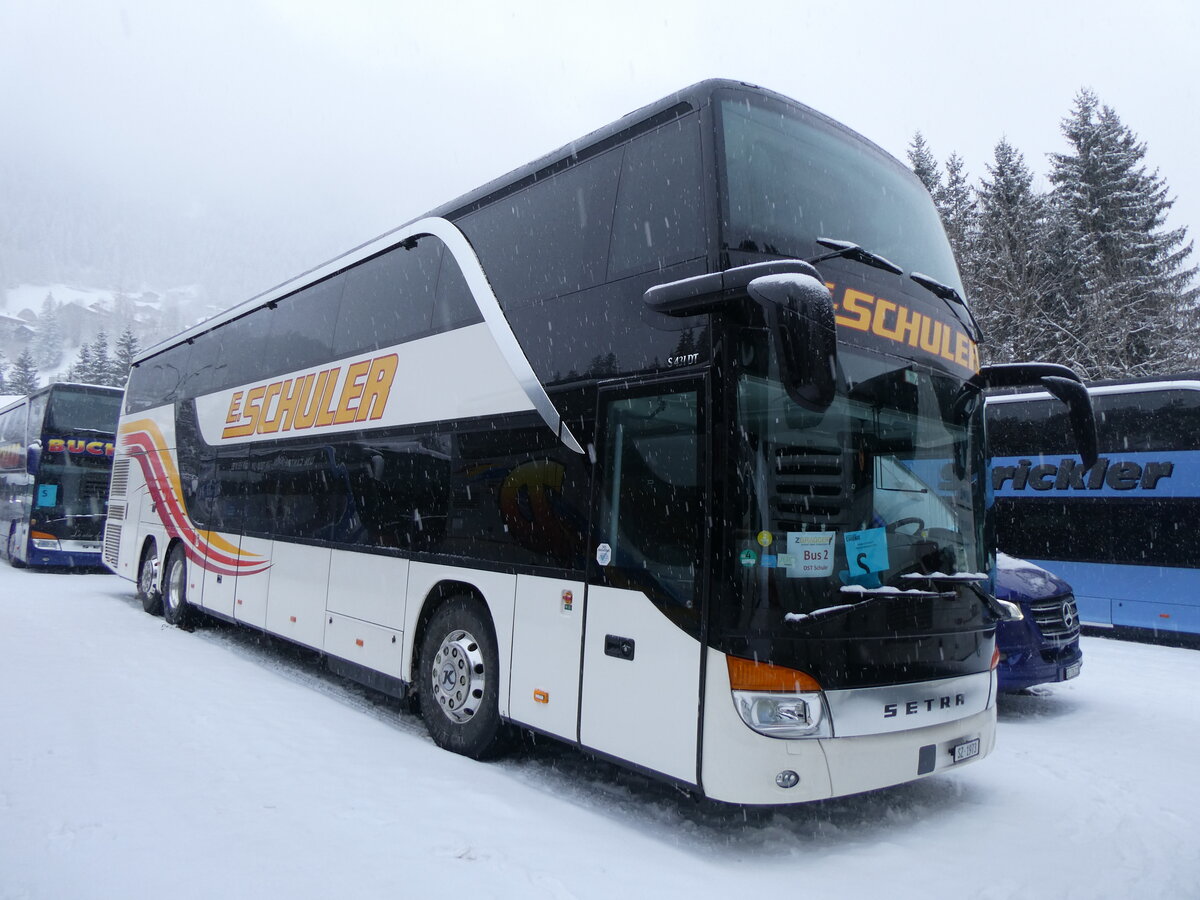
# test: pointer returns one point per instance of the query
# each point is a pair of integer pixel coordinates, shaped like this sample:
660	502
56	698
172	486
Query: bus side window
550	238
388	298
659	217
301	326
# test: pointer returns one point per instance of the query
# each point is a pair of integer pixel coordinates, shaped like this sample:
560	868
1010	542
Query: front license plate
966	751
1072	671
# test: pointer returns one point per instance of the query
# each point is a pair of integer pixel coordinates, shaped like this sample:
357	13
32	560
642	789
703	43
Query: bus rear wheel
147	584
458	680
176	609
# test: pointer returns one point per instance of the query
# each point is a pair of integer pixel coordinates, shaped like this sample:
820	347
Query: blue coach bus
1124	531
56	454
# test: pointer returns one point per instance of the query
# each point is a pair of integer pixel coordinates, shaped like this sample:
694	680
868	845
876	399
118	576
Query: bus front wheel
176	609
147	584
458	680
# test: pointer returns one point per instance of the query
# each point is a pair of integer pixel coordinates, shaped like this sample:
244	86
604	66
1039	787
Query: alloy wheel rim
457	676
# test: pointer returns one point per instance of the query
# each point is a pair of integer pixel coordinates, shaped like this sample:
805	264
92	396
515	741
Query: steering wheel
907	520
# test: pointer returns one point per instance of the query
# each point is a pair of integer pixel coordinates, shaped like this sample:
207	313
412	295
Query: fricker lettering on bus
329	397
1069	474
80	448
896	322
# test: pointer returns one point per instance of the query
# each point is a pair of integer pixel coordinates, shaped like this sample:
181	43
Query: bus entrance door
641	667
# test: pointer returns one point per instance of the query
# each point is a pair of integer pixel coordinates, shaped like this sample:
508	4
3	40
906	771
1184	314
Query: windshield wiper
848	250
869	595
952	299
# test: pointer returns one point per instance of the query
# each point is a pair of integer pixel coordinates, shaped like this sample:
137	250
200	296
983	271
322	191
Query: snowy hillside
138	760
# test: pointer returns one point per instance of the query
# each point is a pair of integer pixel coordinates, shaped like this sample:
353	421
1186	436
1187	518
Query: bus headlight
777	701
783	715
43	541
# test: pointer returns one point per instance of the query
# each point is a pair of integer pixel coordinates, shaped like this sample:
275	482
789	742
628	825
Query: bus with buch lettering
56	453
668	445
1122	531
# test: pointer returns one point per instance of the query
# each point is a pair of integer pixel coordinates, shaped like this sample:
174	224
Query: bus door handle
620	647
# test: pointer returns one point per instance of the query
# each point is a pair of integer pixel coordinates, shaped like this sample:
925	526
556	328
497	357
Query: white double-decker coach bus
646	446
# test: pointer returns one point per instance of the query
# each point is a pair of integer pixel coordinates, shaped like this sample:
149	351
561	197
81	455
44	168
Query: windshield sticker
603	554
769	561
810	554
47	495
866	551
765	538
748	558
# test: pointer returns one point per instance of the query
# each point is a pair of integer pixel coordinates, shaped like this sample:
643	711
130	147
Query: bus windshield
882	485
78	409
791	177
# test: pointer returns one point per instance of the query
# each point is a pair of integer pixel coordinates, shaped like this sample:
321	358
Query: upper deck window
791	177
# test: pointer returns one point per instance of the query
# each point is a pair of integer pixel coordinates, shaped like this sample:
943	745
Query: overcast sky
346	119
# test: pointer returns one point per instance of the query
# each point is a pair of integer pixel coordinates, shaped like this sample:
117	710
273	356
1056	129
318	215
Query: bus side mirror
799	313
1062	383
1083	418
33	457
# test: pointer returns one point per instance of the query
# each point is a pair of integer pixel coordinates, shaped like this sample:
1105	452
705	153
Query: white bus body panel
497	588
368	587
371	646
547	642
217	589
740	764
251	591
296	594
643	710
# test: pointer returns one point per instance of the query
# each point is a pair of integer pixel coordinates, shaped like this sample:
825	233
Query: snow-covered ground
138	760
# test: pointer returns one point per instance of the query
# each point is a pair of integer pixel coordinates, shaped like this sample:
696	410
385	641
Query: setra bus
597	451
56	453
1122	532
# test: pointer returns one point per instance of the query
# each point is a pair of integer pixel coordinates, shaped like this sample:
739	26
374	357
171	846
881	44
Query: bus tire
459	680
175	607
147	584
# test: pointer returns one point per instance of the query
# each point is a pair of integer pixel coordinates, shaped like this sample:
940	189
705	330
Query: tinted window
660	205
239	357
552	237
454	306
388	298
1149	420
1158	532
518	497
157	380
72	408
400	489
299	493
302	327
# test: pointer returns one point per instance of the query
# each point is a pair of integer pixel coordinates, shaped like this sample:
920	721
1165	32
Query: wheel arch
436	597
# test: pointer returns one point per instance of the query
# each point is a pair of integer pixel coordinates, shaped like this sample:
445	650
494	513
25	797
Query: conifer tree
1017	279
102	365
84	368
1132	293
127	349
3	370
23	379
924	164
956	202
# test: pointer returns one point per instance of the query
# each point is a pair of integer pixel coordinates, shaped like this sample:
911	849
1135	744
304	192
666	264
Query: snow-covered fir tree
1017	279
83	370
127	348
1129	282
955	201
23	379
924	164
48	345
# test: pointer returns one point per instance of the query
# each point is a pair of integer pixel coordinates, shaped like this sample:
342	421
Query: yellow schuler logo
896	322
316	400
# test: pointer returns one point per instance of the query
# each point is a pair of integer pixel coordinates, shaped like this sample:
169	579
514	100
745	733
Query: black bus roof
645	118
